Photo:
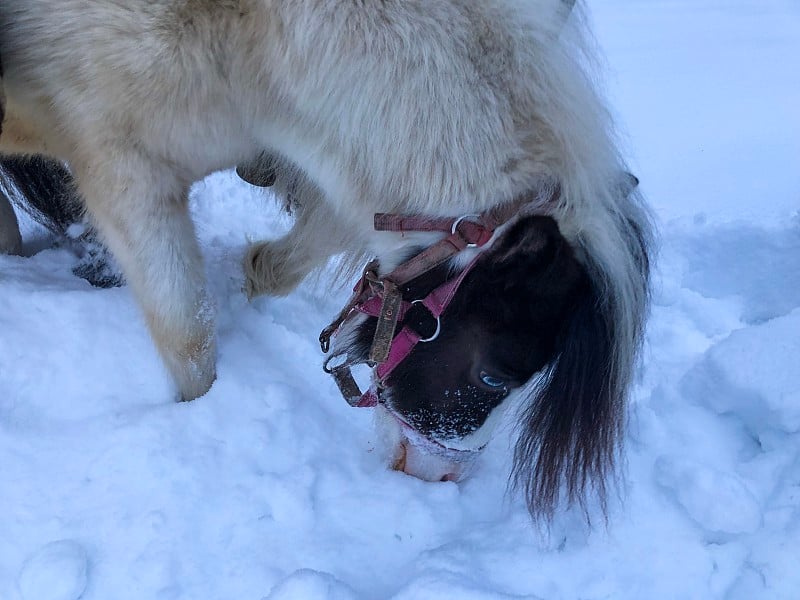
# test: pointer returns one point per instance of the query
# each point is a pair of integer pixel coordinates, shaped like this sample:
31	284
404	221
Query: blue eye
494	382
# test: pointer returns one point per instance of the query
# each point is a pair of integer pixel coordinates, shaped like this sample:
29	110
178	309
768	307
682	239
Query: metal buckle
457	222
368	278
438	322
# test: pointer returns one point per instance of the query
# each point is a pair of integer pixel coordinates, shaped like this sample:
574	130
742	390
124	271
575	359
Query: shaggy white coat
443	107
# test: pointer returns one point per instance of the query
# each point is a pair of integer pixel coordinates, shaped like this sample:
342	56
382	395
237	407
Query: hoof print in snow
718	502
57	571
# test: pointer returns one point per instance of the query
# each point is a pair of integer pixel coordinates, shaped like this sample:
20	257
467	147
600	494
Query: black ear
533	254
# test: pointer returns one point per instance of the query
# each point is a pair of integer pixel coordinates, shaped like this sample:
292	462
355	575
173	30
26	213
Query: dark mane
571	429
44	189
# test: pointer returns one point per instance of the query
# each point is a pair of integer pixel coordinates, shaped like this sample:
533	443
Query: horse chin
412	453
403	447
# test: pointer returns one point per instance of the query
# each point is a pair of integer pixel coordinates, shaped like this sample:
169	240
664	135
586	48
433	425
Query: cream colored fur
437	106
276	267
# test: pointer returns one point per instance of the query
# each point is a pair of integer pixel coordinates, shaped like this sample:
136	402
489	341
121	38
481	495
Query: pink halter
380	297
403	343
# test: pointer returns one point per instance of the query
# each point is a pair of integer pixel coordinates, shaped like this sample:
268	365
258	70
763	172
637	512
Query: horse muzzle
420	456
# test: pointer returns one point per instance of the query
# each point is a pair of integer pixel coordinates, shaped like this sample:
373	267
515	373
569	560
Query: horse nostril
449	477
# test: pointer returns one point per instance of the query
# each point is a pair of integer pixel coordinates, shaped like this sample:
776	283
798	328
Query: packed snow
271	488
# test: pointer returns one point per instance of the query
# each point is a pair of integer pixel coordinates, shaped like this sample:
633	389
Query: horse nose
429	466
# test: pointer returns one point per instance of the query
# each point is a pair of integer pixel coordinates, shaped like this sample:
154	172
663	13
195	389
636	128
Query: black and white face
499	331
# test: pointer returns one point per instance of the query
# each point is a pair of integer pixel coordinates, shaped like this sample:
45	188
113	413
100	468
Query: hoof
269	270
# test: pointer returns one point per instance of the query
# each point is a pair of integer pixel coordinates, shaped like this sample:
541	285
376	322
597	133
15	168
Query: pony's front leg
276	267
144	220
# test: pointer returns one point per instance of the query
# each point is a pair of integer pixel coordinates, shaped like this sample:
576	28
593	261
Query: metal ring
457	222
438	323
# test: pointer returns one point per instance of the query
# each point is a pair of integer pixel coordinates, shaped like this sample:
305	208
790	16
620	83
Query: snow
56	572
271	487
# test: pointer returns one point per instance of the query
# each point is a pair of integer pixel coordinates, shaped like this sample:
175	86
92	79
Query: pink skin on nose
425	459
416	462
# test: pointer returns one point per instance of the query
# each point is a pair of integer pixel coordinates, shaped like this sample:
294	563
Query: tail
43	188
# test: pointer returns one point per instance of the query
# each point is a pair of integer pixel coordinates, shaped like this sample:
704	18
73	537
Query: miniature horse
511	247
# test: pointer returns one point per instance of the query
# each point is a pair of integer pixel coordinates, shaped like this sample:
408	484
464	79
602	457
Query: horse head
546	312
530	323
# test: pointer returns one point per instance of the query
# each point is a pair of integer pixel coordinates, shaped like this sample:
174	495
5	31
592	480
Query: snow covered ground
269	487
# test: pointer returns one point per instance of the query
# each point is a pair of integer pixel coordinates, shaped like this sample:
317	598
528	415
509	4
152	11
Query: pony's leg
10	238
16	137
141	213
276	267
21	136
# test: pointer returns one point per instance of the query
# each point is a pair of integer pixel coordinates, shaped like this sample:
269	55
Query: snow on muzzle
422	457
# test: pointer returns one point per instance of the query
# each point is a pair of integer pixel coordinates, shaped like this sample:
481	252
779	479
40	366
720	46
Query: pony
463	144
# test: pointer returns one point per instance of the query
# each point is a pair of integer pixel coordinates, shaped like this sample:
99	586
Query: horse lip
428	459
434	466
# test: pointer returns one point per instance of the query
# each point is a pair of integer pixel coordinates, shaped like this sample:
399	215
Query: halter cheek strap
372	289
404	342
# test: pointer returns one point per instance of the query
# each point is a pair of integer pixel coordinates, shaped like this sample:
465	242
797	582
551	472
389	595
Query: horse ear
533	253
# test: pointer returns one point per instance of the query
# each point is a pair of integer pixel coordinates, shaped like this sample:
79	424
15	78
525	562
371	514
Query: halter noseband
381	297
